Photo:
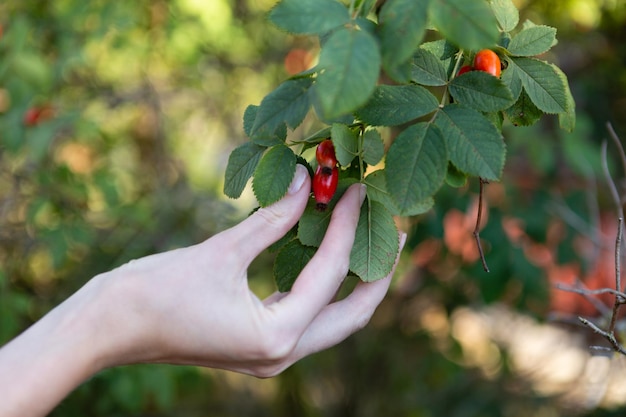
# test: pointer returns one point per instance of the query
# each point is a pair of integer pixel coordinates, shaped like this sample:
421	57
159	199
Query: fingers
320	279
268	224
339	320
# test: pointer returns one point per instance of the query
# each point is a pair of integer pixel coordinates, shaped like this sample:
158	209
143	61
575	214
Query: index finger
321	277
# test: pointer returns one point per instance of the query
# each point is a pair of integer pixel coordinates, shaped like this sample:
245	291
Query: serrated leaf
273	175
376	243
481	91
313	223
349	67
506	14
470	25
532	41
475	146
309	16
373	147
567	119
289	263
427	69
523	112
543	84
402	24
242	162
345	141
287	104
377	191
416	165
444	51
391	105
249	115
511	79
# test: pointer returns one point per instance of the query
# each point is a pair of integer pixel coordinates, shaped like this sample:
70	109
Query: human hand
194	306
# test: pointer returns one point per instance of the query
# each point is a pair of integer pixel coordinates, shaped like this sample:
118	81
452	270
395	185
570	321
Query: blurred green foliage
143	103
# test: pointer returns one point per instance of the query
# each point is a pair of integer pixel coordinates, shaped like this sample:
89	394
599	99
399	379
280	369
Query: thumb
268	224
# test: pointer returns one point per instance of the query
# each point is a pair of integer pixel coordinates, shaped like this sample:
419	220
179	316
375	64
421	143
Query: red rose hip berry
324	186
325	154
488	61
464	69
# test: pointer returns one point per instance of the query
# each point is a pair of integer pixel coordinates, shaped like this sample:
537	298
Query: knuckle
275	346
272	215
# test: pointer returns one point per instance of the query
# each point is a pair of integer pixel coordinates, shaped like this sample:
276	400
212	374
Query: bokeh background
116	122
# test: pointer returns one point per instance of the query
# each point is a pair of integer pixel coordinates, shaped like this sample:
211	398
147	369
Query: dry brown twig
619	295
479	218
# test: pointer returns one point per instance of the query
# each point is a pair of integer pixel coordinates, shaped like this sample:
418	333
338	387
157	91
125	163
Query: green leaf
481	91
313	223
394	105
309	16
506	14
511	79
345	141
468	24
289	103
427	69
523	112
475	146
454	177
274	174
532	41
376	243
242	162
567	119
280	243
349	67
543	84
444	51
249	115
377	191
416	165
402	24
289	263
373	147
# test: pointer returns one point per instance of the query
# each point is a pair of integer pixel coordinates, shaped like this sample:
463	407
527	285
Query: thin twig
587	291
618	144
479	217
610	182
619	299
608	336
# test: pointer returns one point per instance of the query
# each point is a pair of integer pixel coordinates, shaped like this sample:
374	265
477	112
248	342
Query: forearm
51	358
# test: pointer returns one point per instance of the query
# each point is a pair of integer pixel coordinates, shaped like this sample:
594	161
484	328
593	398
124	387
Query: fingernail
362	192
402	240
298	179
